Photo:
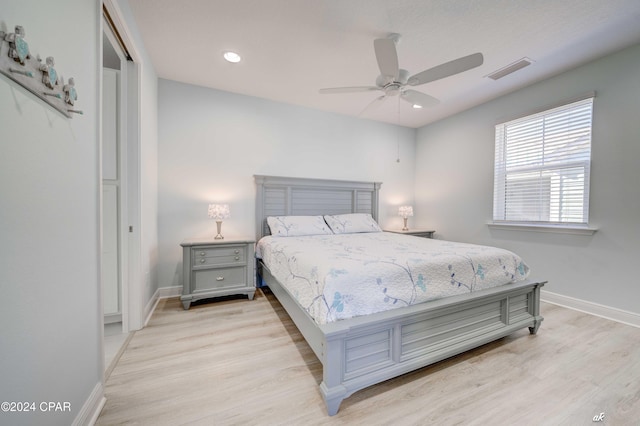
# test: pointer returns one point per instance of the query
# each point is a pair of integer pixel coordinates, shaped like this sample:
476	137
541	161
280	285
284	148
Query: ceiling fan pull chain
398	121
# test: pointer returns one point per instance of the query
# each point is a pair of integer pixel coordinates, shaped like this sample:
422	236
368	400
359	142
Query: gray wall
211	143
50	315
454	183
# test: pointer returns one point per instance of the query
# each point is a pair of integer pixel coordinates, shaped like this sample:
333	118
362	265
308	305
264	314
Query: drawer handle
237	257
219	278
202	253
202	260
236	251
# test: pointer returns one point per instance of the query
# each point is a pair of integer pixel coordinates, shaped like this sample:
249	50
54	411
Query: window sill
555	229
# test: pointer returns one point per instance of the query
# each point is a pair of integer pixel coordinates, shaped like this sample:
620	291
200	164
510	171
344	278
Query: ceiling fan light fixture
232	57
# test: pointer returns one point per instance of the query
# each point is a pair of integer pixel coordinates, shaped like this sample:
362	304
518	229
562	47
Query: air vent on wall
511	68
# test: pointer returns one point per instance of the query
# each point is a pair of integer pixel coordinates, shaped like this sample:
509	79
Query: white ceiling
292	48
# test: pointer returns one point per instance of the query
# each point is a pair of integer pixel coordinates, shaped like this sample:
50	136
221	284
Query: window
542	167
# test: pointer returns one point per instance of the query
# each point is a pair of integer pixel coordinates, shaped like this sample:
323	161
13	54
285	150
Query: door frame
129	157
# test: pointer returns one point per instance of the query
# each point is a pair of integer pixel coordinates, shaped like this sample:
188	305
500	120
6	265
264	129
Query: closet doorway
120	195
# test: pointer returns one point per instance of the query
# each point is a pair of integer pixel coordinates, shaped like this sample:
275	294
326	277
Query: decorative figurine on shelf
18	48
70	94
34	73
49	74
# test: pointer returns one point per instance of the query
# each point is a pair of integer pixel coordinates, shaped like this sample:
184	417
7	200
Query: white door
111	191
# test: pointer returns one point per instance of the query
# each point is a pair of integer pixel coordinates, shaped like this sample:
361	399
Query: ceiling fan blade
373	105
387	57
348	89
448	68
418	98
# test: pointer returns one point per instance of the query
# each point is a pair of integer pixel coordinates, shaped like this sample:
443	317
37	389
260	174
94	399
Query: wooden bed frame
362	351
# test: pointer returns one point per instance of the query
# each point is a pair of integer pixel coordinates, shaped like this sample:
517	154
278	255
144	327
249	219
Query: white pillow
352	223
295	226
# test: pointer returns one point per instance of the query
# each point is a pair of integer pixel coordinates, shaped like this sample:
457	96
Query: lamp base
404	228
219	226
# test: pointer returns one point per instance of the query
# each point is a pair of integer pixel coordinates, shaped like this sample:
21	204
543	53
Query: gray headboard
286	196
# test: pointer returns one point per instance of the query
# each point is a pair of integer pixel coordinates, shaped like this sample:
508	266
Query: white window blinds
542	167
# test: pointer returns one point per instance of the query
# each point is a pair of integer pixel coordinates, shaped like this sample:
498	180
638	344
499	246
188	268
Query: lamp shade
219	211
405	211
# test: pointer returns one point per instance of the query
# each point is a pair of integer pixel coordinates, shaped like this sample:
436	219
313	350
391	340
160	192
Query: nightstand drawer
218	256
208	279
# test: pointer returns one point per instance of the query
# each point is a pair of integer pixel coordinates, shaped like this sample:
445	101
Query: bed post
535	309
332	388
375	197
259	206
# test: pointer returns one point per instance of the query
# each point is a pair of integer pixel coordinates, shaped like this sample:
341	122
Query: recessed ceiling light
416	106
232	57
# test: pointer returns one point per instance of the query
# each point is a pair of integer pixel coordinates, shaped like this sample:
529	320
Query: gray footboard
362	354
363	351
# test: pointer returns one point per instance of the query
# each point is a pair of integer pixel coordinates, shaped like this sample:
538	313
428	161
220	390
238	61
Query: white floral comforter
336	277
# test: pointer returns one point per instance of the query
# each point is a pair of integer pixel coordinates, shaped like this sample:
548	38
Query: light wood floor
241	362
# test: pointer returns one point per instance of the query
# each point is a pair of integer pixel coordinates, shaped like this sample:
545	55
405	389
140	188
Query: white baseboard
112	318
166	292
596	309
92	407
151	306
161	293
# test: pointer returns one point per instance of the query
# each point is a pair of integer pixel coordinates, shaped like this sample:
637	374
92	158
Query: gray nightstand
212	268
425	233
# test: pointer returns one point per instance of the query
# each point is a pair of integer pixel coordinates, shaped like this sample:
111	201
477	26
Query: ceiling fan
393	80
